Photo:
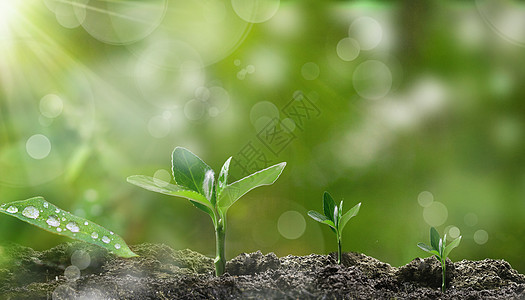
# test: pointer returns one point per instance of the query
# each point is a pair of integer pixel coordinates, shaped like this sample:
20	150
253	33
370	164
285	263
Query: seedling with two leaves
45	215
440	249
333	217
195	181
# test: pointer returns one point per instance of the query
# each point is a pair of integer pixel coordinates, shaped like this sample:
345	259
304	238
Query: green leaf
160	186
223	177
208	185
189	171
317	216
451	246
434	238
427	248
38	212
347	216
328	206
236	190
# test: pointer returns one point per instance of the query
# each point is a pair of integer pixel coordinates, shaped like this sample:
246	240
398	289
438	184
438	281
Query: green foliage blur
413	108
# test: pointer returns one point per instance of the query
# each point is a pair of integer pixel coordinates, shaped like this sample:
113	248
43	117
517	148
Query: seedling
439	248
333	217
195	181
40	213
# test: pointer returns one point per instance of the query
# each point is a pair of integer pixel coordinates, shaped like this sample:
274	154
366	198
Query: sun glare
7	11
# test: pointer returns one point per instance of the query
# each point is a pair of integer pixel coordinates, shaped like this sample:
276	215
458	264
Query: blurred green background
414	108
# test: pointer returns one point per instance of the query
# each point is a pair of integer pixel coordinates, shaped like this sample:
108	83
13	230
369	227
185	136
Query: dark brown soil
163	273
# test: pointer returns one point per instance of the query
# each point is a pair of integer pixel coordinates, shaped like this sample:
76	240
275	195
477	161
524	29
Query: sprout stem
339	252
444	268
220	261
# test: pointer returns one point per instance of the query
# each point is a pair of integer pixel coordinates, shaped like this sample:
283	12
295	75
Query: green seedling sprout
439	248
333	217
40	213
195	181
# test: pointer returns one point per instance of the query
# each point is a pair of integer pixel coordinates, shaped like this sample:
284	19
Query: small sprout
195	181
333	217
440	250
40	213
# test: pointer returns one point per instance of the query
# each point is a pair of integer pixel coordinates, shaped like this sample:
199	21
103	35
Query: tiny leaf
451	246
434	238
163	187
189	170
336	216
208	184
317	216
348	215
38	212
328	205
236	190
223	177
427	248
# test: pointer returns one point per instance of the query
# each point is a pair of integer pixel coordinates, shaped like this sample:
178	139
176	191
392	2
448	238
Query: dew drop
117	246
53	221
59	229
86	223
57	210
105	239
73	227
31	212
111	232
63	219
46	205
12	209
94	235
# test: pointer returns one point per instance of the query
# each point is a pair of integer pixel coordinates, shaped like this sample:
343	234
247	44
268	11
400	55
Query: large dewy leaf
38	212
346	217
328	206
189	170
236	190
163	187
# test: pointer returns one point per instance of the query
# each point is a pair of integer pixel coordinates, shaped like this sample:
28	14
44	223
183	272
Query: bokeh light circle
162	177
435	214
72	273
81	259
372	79
367	32
291	225
310	71
195	109
454	232
38	146
122	22
51	106
425	198
262	113
348	49
159	127
255	11
169	73
481	237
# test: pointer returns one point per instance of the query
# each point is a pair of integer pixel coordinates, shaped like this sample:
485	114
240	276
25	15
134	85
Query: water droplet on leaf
73	227
117	246
105	239
94	235
30	212
12	209
46	205
53	221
